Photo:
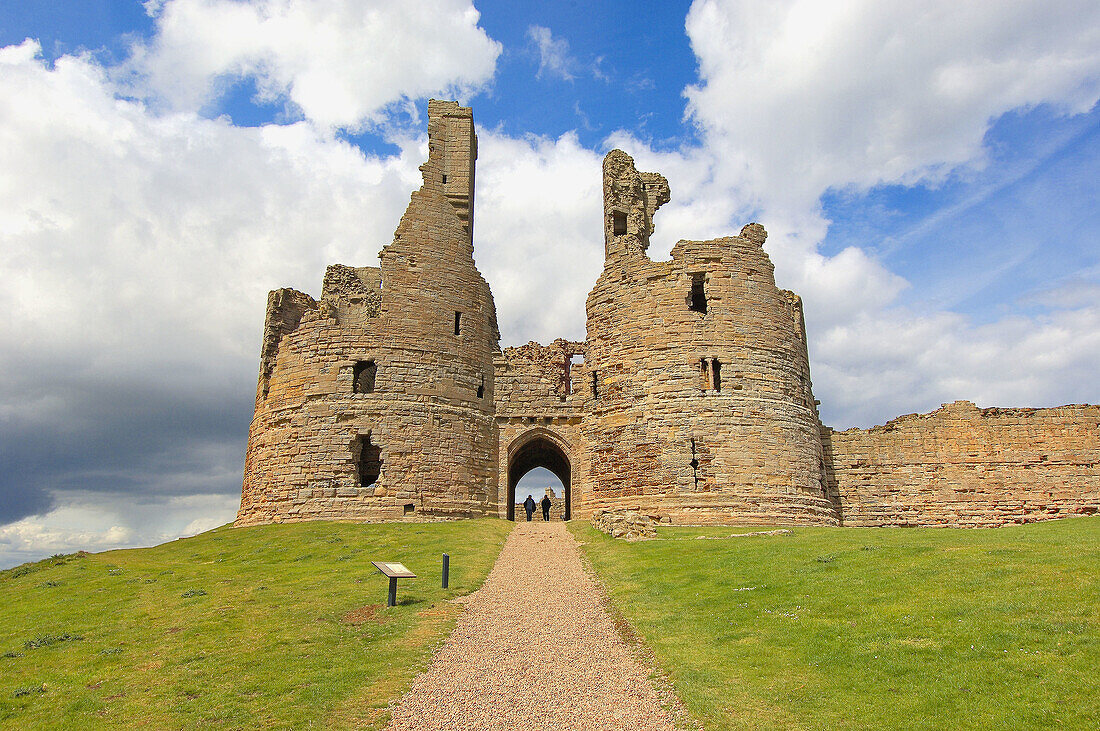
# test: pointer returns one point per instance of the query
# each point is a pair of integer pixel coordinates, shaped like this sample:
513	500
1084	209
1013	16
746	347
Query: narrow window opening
716	374
704	374
694	463
618	222
481	388
595	385
444	178
363	375
458	323
368	460
698	293
409	509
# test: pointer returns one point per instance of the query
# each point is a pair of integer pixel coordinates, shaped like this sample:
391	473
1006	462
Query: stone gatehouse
691	397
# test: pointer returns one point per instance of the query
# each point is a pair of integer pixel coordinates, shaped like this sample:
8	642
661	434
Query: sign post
446	570
393	571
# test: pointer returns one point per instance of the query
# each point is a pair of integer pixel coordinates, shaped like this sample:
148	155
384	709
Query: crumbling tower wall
701	407
375	401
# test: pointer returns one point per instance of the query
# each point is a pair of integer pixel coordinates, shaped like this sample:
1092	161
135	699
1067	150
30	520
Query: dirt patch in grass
368	613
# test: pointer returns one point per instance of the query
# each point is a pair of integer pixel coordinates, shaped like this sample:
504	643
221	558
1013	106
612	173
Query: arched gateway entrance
538	448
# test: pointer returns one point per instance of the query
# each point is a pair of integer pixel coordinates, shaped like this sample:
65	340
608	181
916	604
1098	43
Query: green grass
237	627
869	628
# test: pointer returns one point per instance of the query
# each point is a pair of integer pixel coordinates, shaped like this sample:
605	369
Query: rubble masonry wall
965	466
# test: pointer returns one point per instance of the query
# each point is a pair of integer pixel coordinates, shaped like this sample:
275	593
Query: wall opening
458	323
618	222
368	460
408	509
444	178
542	452
595	385
698	299
716	374
363	375
481	388
694	463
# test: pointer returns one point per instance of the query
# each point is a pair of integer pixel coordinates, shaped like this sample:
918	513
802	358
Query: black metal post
446	570
391	600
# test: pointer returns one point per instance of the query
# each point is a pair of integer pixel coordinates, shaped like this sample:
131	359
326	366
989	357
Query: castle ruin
389	397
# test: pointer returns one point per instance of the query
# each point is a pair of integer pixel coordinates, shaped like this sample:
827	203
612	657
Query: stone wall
541	399
965	466
701	403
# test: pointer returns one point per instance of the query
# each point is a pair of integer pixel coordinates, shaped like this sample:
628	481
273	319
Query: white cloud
798	97
340	62
110	522
803	96
883	364
554	58
539	241
130	238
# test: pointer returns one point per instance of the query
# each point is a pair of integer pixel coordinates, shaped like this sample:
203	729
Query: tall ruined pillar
376	400
702	408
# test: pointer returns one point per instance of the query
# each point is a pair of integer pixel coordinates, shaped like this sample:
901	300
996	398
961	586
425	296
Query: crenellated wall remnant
965	466
689	402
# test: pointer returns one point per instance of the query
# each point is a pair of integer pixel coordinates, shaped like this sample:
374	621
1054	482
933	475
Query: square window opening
618	222
698	298
368	460
363	376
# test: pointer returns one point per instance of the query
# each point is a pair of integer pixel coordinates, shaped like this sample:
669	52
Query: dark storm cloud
156	435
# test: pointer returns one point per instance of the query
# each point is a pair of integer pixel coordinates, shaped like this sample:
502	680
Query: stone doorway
540	448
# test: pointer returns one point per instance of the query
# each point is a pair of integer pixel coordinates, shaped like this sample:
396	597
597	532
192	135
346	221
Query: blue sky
927	175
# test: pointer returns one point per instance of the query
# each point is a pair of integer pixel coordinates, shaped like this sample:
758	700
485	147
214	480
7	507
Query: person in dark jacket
529	506
545	503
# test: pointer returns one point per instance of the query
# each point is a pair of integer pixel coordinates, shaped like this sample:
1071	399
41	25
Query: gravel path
534	650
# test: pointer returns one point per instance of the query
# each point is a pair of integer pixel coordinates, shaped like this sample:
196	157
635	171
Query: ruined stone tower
375	401
702	408
690	399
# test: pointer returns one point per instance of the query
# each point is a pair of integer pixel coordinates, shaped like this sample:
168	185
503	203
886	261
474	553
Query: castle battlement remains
690	399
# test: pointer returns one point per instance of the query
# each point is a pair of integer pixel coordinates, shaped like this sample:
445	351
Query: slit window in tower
458	323
704	374
694	464
716	374
595	385
698	293
363	375
618	222
368	460
481	388
444	178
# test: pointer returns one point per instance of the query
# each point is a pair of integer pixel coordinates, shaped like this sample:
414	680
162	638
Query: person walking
529	506
545	507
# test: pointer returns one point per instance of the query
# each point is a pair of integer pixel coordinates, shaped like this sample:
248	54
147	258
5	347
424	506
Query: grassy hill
830	628
284	626
273	626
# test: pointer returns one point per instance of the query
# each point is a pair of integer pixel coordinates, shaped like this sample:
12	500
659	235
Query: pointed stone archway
539	447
